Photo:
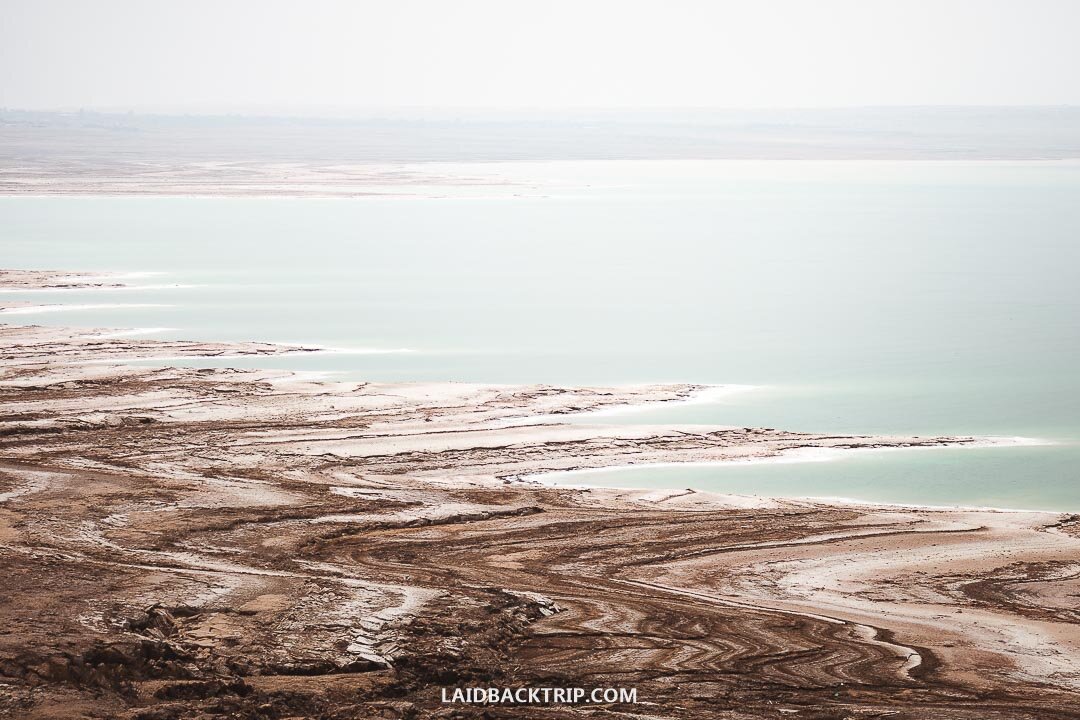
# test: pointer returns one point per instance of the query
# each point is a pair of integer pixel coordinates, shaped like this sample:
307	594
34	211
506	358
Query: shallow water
1029	478
862	297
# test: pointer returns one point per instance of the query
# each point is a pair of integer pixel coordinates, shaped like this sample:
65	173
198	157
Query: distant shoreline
43	153
390	182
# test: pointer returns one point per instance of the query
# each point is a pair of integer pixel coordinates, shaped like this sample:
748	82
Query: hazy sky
312	55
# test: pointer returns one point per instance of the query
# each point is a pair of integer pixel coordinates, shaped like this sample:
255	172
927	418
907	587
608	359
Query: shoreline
550	479
382	180
200	536
693	394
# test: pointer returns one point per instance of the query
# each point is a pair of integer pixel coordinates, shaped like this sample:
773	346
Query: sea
910	297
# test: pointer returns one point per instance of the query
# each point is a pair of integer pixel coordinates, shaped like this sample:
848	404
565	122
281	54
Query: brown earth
180	543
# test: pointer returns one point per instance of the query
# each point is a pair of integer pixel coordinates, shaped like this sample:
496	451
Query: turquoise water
1030	478
863	297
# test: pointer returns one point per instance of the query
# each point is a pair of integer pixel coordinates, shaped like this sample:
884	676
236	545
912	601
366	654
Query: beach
180	540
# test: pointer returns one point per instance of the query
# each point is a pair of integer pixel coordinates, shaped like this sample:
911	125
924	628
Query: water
866	297
1033	478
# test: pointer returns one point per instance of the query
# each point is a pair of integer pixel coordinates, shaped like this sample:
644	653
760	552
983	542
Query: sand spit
20	280
182	543
174	177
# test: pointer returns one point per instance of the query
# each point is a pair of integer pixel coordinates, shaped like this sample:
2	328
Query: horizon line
347	112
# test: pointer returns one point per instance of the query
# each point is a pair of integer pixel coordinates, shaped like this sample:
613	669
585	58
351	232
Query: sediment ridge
214	542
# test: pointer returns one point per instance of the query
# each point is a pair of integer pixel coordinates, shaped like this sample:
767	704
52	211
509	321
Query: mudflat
180	543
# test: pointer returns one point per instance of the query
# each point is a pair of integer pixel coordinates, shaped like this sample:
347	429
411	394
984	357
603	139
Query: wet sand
181	543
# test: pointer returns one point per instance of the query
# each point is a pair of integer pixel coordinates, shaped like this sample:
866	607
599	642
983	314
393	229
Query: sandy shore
184	543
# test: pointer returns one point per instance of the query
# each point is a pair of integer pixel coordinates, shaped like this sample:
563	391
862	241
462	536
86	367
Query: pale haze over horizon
333	55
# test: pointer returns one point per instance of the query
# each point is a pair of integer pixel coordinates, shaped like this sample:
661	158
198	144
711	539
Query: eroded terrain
182	543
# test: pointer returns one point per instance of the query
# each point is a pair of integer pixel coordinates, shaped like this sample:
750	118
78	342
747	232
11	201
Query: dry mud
181	543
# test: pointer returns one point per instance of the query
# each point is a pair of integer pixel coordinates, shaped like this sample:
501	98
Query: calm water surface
862	297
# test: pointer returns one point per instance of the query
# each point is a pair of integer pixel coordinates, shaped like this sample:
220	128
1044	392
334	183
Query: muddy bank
181	543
